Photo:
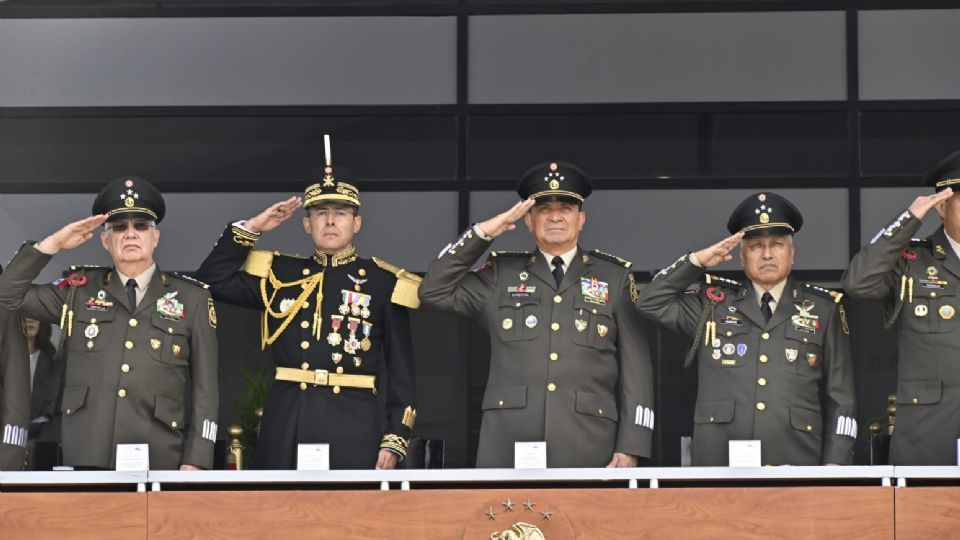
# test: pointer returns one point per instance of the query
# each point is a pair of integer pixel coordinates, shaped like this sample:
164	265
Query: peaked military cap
946	173
329	186
555	181
129	197
765	214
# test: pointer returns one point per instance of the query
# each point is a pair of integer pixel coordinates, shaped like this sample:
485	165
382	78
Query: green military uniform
127	369
917	279
762	379
569	364
14	393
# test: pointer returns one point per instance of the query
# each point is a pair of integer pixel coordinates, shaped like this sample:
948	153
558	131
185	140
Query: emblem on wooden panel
519	518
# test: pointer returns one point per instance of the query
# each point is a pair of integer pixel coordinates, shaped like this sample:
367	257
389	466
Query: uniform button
125	368
761	381
500	403
915	401
173	424
554	356
761	406
763	359
69	412
557	299
339	370
555	326
306	271
122	393
804	340
712	419
518	304
305	305
933	294
552	387
132	323
809	428
303	386
305	365
729	333
600	411
169	330
765	335
304	324
304	344
128	345
336	389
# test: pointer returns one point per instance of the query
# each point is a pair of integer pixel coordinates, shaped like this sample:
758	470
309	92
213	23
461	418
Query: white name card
133	457
530	455
313	457
745	454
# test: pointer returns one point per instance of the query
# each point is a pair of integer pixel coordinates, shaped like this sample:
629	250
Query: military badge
176	350
728	362
531	321
741	349
91	331
716	354
365	343
336	357
169	307
211	313
731	320
285	305
791	354
732	309
580	324
594	290
602	330
805	321
729	348
521	291
352	343
524	276
920	310
154	343
947	312
812	359
939	249
507	324
357	361
100	303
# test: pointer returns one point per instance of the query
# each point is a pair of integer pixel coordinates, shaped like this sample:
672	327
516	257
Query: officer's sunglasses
138	225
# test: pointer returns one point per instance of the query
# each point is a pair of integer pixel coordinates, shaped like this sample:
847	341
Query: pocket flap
88	316
169	326
713	412
505	397
596	405
919	392
74	398
509	301
806	420
168	411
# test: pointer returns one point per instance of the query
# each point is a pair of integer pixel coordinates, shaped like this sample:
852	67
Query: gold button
804	340
554	356
69	412
303	386
594	311
304	324
169	330
500	403
173	424
125	368
339	370
555	326
305	305
557	299
763	359
128	345
809	428
761	406
305	365
552	387
729	333
132	323
600	411
304	344
765	335
712	419
306	271
915	401
336	389
761	381
93	320
933	294
122	393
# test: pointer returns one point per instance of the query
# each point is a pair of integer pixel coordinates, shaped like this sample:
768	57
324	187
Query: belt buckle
320	377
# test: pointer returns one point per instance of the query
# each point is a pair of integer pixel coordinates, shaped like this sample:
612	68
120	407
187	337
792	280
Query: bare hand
386	459
273	216
922	204
186	467
72	235
506	221
719	252
622	460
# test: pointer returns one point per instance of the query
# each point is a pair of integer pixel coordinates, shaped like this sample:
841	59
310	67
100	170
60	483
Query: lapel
785	308
113	287
949	258
578	267
159	285
746	303
540	268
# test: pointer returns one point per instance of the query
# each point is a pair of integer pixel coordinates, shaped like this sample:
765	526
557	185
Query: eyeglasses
337	213
138	225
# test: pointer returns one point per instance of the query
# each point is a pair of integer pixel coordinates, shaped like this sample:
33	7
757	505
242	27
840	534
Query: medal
716	354
169	307
336	357
155	343
507	324
333	338
580	324
812	359
920	310
947	312
91	331
365	344
357	361
729	349
352	343
791	354
602	330
345	305
176	351
531	321
365	306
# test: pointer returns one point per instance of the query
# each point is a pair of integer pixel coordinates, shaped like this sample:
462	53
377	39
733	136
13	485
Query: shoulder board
405	290
611	258
836	296
920	242
711	279
189	280
509	253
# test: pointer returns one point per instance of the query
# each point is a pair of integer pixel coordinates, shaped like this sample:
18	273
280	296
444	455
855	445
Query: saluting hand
719	252
71	235
506	221
922	204
274	215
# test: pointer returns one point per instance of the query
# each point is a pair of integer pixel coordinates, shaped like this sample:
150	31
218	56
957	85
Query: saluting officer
133	335
769	351
569	361
334	323
917	281
14	393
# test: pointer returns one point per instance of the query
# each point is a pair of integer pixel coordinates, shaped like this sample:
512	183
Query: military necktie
557	263
132	294
765	306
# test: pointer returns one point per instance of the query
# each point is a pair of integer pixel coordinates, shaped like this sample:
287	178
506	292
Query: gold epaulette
190	280
611	258
258	263
405	291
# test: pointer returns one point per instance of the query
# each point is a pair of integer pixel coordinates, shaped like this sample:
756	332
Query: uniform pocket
91	330
169	412
74	398
593	325
520	318
169	341
597	405
803	351
919	392
505	397
733	347
713	412
806	420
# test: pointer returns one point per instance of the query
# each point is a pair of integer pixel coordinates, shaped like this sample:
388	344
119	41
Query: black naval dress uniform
762	379
917	279
127	368
334	325
569	361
